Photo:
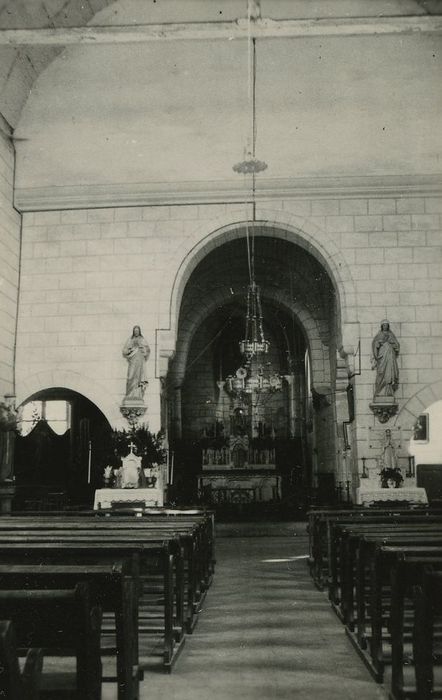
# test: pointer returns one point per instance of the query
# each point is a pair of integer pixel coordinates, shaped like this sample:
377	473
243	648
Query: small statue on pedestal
391	476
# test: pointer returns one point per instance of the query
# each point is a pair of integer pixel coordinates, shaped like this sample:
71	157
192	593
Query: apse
231	408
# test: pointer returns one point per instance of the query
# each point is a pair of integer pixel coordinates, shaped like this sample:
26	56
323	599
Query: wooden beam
260	28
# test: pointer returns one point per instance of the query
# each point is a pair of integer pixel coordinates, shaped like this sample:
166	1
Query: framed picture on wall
421	428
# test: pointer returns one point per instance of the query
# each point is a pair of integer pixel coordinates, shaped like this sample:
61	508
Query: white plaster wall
10	222
124	114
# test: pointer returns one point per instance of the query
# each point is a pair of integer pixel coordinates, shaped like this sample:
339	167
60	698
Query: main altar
239	453
239	469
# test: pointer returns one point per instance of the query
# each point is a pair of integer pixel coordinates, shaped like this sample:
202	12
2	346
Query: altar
238	469
106	498
414	495
240	486
132	484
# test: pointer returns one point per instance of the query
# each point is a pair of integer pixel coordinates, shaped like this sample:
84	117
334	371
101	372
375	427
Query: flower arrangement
150	446
8	417
391	477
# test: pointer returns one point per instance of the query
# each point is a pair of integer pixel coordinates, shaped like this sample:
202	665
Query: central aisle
265	632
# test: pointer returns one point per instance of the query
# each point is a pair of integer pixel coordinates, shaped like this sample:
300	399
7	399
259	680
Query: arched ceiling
282	270
280	266
298	300
21	66
161	112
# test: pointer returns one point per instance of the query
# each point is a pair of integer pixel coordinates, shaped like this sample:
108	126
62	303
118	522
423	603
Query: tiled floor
265	632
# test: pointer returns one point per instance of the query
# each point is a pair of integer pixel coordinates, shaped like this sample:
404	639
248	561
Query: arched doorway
300	318
61	447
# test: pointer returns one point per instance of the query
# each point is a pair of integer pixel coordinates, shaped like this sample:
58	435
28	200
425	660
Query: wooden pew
14	683
350	559
155	556
428	603
354	560
196	550
379	562
320	532
166	516
197	545
112	587
407	574
196	538
62	622
185	515
372	583
188	538
344	542
377	554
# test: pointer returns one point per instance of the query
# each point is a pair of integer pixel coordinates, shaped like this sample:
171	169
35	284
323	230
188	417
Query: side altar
384	482
131	483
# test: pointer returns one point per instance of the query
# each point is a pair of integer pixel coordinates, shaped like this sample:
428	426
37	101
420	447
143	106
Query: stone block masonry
89	275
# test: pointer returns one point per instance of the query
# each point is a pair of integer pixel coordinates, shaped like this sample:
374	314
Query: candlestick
364	474
89	461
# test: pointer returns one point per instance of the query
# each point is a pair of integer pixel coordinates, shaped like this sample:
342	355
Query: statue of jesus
136	351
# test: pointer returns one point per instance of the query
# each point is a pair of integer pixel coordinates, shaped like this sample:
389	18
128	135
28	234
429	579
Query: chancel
220	293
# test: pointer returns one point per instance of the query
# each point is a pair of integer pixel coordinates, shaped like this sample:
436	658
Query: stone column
290	379
299	398
7	446
177	414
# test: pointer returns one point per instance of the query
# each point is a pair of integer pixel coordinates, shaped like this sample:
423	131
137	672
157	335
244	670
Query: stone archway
416	404
61	447
318	320
95	391
308	324
296	229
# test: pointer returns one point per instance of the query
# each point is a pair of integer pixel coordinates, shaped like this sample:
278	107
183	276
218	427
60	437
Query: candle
89	463
171	468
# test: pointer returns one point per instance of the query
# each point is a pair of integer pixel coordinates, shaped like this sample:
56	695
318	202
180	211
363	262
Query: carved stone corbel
132	412
384	408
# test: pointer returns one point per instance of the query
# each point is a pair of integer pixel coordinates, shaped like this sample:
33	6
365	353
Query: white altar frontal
105	499
366	495
240	486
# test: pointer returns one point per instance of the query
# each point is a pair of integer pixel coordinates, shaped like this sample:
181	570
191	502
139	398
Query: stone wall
89	275
10	222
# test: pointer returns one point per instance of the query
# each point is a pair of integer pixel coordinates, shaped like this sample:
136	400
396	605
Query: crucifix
131	446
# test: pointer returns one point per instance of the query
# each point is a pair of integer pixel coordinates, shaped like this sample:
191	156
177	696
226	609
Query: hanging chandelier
255	376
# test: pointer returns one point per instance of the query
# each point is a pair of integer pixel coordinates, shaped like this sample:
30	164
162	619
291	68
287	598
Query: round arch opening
291	437
60	450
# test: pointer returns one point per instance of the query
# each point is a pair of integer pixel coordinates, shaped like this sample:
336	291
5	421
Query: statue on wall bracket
136	351
385	350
